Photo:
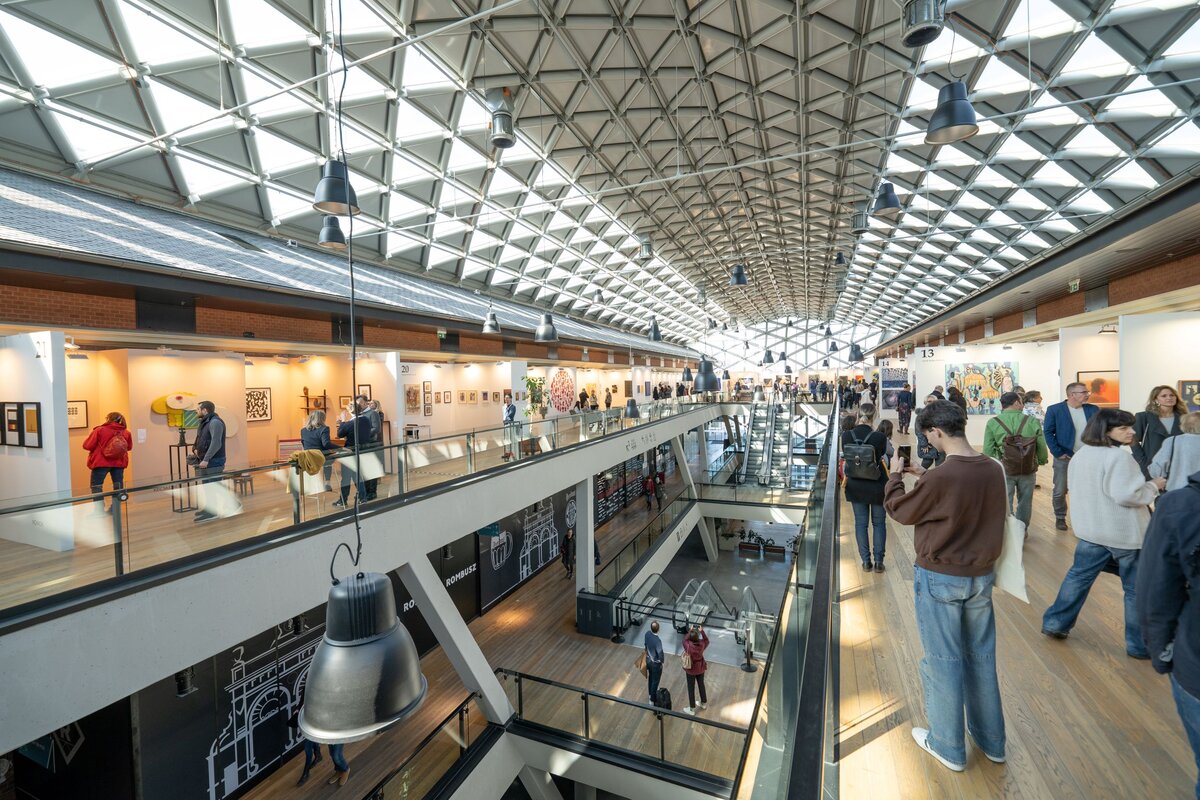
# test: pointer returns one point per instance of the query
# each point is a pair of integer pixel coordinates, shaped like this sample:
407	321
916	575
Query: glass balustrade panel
427	765
625	726
552	706
705	748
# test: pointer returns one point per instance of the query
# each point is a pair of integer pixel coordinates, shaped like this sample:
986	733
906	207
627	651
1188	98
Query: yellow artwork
180	410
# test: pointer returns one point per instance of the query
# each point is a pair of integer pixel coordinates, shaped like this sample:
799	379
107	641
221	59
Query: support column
539	784
440	613
585	536
585	792
702	447
729	430
706	534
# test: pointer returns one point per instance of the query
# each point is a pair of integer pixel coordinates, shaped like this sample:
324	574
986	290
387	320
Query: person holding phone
695	666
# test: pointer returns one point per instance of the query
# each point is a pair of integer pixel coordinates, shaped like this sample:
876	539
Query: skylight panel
416	125
1086	202
359	84
355	16
1051	174
922	97
203	179
440	256
1091	142
473	115
1057	224
511	254
899	165
91	141
463	157
180	110
285	204
1132	175
256	23
1184	141
1094	59
474	266
1046	18
1023	199
421	73
401	206
988	178
51	59
276	153
1187	44
481	240
518	153
937	53
405	172
999	78
156	41
1152	103
287	102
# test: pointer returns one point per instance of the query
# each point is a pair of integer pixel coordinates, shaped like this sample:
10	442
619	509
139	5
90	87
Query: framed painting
1105	386
1189	393
429	409
412	398
437	398
12	425
427	386
258	404
343	400
982	383
427	398
495	397
31	424
365	389
77	415
473	396
484	396
462	395
446	395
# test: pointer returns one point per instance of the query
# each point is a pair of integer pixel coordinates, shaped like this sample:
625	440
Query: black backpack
861	462
663	700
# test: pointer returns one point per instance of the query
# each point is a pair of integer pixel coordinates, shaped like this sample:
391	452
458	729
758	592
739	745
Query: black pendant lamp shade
828	331
787	369
825	363
687	374
491	325
655	334
887	204
759	397
631	409
833	347
712	324
546	332
331	237
839	261
923	22
768	358
737	275
953	120
334	194
856	354
725	375
366	674
706	377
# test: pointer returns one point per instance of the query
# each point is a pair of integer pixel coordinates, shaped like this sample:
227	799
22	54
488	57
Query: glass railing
750	492
612	573
668	736
62	544
790	743
434	756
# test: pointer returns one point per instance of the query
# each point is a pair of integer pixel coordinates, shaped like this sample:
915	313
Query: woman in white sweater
1109	512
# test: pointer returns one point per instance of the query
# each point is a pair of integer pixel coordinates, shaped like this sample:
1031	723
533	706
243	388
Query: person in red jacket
108	447
694	645
648	489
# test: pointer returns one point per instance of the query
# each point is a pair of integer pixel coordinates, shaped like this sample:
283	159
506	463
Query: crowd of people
1114	466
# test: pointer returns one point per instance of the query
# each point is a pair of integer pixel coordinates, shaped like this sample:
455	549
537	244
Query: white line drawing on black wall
541	538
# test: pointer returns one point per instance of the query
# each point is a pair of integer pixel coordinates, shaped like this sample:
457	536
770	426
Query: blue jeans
339	759
653	676
958	671
312	754
1089	561
863	512
1189	712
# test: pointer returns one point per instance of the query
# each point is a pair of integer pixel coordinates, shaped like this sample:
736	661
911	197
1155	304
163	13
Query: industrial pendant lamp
1109	329
856	354
839	261
546	332
655	334
768	358
833	347
645	249
828	331
886	202
725	375
759	397
953	120
706	377
712	324
631	409
687	374
331	236
787	369
825	364
334	194
491	325
737	275
504	132
860	222
923	22
366	674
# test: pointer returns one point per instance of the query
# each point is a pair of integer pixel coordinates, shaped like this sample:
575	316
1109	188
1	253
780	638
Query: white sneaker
921	737
702	706
689	710
990	757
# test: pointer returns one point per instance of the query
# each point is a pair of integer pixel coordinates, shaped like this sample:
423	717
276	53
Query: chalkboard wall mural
521	545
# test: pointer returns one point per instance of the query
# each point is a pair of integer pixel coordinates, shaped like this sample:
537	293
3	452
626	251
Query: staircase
780	469
756	442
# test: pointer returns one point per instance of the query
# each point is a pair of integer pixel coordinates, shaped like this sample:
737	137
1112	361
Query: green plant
536	389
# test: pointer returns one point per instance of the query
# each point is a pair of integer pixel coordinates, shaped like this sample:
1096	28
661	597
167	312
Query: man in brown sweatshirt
958	511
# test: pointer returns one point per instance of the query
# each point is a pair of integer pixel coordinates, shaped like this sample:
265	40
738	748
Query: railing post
471	453
297	495
462	730
403	454
662	739
118	533
587	719
520	699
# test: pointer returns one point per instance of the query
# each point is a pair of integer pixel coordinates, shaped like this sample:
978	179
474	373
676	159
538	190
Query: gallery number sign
926	352
641	442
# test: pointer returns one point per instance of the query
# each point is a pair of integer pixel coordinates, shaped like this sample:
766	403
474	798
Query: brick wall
223	322
50	307
1013	322
974	334
1164	278
1067	306
378	336
530	350
481	346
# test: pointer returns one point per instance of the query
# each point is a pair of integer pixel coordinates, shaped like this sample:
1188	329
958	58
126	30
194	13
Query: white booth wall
1037	367
1157	349
1083	350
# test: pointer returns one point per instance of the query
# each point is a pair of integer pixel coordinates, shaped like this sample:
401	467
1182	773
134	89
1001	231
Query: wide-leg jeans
1090	560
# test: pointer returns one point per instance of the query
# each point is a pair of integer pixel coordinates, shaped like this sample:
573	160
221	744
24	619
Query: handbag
640	663
686	659
1010	567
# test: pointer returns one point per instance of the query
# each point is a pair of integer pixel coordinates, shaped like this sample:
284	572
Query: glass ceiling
726	131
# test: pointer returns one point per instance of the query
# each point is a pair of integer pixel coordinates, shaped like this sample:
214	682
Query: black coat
1149	433
858	490
316	439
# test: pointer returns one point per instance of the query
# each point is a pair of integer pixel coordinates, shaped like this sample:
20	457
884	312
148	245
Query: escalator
779	472
754	625
701	604
756	443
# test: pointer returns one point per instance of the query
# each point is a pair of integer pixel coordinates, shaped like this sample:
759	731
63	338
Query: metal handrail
457	712
680	495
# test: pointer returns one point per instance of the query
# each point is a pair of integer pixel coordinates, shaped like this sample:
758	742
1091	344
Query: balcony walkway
1083	719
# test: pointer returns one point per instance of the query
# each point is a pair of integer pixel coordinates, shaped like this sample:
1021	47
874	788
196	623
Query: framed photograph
437	398
344	400
428	410
427	386
365	389
446	395
484	396
1189	393
1105	386
31	424
427	398
495	397
462	395
473	396
77	416
12	425
258	404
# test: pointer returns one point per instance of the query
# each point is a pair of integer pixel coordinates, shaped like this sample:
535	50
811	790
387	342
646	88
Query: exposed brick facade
224	322
974	334
50	307
1013	322
481	346
1067	306
1163	278
379	336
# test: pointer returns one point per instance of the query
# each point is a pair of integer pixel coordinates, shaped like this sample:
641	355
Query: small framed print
437	398
428	410
495	397
77	415
473	396
12	425
428	398
343	400
485	397
365	389
427	386
446	395
462	396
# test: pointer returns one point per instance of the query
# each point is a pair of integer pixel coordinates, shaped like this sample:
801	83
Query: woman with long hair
315	436
1159	422
1110	515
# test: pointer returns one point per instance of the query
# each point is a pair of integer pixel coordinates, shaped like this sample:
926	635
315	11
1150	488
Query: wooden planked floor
1083	720
533	631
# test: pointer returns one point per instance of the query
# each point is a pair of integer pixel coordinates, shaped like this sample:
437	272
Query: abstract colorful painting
562	391
982	383
1189	393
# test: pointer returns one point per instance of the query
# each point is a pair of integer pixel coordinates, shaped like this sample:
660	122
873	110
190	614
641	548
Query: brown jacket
958	512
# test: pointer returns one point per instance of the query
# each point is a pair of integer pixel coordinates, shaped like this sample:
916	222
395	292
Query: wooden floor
533	631
1083	720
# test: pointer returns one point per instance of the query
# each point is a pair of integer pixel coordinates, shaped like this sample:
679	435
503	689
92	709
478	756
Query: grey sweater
1109	497
1178	458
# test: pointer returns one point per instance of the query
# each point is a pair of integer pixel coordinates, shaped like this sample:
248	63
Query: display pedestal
182	499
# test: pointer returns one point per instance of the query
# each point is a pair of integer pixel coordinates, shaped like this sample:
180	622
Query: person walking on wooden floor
958	513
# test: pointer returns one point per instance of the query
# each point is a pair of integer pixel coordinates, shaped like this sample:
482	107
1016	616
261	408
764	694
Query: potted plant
535	388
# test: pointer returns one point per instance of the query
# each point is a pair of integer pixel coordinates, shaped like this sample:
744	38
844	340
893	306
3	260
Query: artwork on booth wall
77	414
462	396
1189	393
428	409
180	410
343	400
427	398
473	396
365	390
891	382
437	398
1105	386
427	386
496	396
258	404
562	391
446	395
12	425
982	384
483	397
412	398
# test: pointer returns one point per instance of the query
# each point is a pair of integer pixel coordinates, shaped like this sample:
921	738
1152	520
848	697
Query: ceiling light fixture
839	260
334	194
503	131
546	332
860	223
631	409
645	249
923	22
737	275
954	119
687	374
1109	329
706	377
887	204
655	334
491	325
331	237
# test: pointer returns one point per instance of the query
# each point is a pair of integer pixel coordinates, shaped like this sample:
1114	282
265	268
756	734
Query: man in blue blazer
1064	426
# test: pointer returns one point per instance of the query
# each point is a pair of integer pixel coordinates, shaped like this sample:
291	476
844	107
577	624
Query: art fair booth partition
1159	349
984	372
1094	359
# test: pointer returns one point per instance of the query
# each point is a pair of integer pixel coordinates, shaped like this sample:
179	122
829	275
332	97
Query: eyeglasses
1081	391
